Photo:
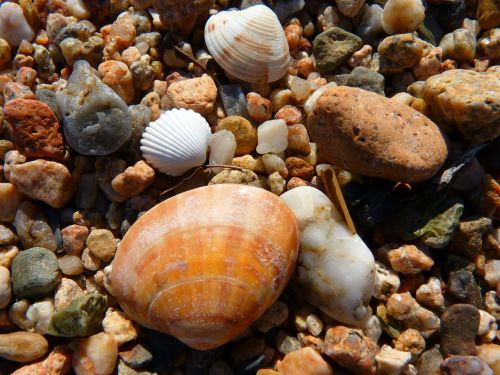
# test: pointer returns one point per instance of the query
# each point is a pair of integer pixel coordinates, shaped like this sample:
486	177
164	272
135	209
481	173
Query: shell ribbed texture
204	264
249	44
176	142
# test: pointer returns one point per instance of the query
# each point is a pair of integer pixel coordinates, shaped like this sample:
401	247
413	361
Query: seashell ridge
248	44
176	142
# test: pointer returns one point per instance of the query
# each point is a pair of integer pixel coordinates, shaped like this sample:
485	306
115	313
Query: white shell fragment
248	44
176	142
335	269
315	95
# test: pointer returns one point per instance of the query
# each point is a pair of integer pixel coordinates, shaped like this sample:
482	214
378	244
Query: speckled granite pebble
466	100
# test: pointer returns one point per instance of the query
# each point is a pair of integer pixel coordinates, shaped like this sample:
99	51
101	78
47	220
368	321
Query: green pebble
82	317
333	47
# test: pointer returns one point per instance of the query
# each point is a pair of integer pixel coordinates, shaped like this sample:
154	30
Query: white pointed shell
249	44
335	269
176	142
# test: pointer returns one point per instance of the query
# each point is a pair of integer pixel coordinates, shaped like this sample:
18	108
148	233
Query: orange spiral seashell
203	265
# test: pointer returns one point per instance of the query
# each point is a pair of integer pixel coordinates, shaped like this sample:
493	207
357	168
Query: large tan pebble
44	180
368	134
198	94
134	179
304	361
22	346
101	243
400	16
95	355
466	100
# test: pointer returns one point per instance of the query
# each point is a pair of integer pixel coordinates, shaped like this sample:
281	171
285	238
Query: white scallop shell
249	44
176	142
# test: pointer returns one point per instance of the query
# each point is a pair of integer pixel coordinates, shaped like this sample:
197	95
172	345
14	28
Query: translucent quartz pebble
13	25
96	119
272	137
335	269
222	147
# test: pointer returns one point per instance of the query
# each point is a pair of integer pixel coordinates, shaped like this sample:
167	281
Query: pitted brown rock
368	134
34	128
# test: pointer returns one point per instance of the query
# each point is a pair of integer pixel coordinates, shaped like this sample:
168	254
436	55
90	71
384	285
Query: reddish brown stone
299	168
292	115
34	128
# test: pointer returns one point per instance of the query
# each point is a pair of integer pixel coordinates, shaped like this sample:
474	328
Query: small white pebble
276	183
273	163
40	313
70	265
272	137
487	328
392	361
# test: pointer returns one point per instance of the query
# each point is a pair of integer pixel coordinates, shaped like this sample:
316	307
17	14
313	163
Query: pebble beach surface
361	232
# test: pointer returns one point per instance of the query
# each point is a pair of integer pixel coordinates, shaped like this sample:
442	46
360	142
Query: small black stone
451	14
463	286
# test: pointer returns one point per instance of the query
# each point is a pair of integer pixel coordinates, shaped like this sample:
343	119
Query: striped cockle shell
248	44
176	142
204	264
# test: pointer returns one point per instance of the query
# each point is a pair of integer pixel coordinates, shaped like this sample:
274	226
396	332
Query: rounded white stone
272	137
